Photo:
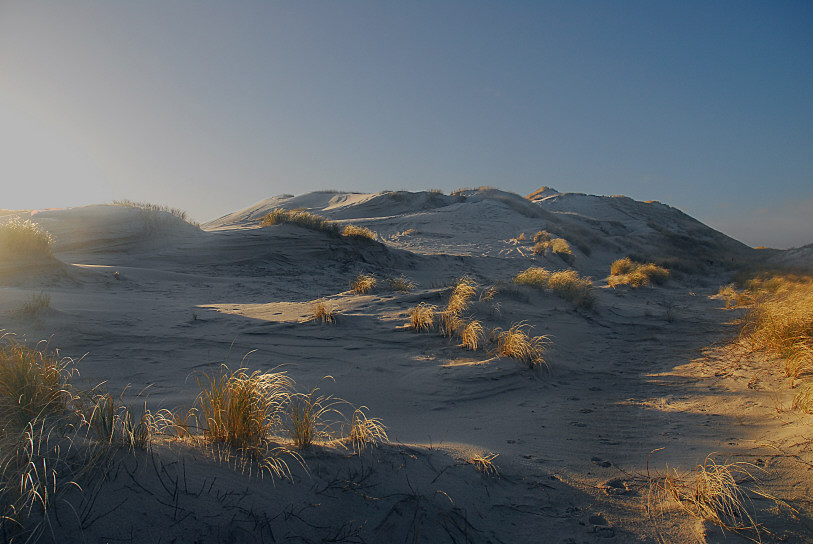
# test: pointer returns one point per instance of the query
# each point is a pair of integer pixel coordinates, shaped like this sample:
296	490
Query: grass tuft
401	283
323	313
363	284
567	284
23	238
300	218
307	422
472	335
517	344
352	231
628	272
422	317
153	208
366	431
464	290
484	463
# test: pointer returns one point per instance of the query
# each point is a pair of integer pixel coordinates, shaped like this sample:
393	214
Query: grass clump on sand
472	335
363	284
154	208
422	317
557	246
628	272
401	283
38	303
484	463
712	492
323	313
23	238
353	231
517	344
300	218
567	284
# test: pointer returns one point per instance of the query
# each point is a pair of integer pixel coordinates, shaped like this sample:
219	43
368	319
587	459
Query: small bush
300	218
363	284
628	272
517	344
422	317
23	238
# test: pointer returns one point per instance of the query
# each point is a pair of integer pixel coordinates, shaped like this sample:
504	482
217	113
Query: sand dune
150	301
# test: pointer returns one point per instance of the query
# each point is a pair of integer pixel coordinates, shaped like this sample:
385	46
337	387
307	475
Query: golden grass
422	317
323	313
567	284
517	344
366	431
628	272
542	236
401	283
307	423
23	238
712	493
451	324
38	303
558	246
484	463
472	335
522	237
464	290
301	218
153	208
363	284
240	409
353	231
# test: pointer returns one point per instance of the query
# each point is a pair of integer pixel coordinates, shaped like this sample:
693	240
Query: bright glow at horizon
212	106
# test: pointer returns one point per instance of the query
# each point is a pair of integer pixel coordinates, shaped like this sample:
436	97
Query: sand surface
145	306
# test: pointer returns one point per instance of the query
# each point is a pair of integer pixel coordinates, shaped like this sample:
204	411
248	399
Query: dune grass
713	492
463	292
484	464
558	246
21	238
628	272
37	304
472	335
401	283
152	209
566	284
366	431
307	418
516	343
323	313
422	317
363	284
300	218
353	231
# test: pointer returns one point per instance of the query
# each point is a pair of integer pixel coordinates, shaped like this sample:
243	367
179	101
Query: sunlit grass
422	317
300	218
363	284
23	238
516	343
628	272
354	231
568	284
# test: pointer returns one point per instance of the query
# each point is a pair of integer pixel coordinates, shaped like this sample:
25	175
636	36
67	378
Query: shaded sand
646	369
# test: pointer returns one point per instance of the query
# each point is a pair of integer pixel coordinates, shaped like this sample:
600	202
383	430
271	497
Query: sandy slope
152	303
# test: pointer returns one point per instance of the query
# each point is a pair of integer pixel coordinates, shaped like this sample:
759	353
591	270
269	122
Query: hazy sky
212	106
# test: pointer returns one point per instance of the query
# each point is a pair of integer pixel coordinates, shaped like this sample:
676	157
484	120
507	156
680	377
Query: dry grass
323	313
567	284
307	422
572	287
38	303
366	431
422	317
535	277
352	231
401	283
363	284
464	291
484	464
712	493
300	218
150	208
628	272
542	236
23	238
522	237
472	335
517	344
557	246
241	409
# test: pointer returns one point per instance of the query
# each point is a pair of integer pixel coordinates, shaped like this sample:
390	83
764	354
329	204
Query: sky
212	106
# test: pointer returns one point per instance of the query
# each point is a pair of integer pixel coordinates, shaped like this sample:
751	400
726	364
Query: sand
147	303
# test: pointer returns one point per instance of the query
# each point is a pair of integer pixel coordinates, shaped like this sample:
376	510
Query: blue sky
212	106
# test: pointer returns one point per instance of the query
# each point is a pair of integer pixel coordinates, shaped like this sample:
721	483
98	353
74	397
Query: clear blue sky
212	106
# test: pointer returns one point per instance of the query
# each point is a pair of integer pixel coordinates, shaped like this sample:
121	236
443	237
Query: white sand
150	303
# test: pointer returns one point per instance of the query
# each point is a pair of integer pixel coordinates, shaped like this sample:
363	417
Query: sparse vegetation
323	313
567	284
472	335
307	422
363	284
23	238
38	303
422	317
557	246
300	218
517	344
712	492
366	431
464	290
401	283
484	463
628	272
150	208
542	236
353	231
